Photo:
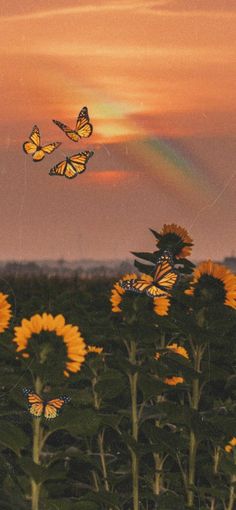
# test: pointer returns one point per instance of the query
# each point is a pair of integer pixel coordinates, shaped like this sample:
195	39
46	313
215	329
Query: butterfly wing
135	285
46	149
71	133
72	166
165	276
31	146
54	406
78	162
83	126
35	403
35	136
59	169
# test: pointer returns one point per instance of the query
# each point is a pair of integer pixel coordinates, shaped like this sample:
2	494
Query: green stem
97	403
133	379
158	480
37	445
102	458
216	460
192	439
232	495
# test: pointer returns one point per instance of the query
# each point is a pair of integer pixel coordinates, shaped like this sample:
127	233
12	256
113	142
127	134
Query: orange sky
158	78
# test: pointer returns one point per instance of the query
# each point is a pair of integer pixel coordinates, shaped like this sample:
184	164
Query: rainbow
175	172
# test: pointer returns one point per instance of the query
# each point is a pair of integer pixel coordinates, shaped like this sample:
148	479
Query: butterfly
83	128
72	166
164	279
49	409
35	148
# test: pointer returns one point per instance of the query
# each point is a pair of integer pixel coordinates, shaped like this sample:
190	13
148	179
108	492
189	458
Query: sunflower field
142	387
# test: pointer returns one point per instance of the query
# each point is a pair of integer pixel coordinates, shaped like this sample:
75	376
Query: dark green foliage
95	430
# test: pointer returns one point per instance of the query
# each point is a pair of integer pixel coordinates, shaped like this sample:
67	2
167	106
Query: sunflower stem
102	458
192	439
133	379
97	403
232	495
37	445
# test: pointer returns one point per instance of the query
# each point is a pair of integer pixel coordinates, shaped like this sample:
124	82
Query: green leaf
84	423
84	504
111	384
156	234
113	500
39	473
149	386
143	268
150	257
12	437
32	470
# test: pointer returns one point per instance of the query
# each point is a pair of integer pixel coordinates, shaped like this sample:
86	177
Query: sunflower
230	445
173	381
213	283
178	349
70	335
117	292
5	312
161	304
176	239
93	348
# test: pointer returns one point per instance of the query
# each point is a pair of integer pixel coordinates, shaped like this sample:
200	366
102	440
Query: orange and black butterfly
73	165
49	409
164	279
34	147
83	128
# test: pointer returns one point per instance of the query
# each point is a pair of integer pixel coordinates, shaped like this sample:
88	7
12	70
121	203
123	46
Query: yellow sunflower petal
75	345
36	323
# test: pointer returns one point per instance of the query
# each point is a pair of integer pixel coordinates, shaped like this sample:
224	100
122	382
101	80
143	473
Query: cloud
59	9
108	177
193	7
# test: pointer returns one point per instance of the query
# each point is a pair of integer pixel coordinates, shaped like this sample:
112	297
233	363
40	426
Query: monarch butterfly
83	128
72	166
35	148
165	278
38	407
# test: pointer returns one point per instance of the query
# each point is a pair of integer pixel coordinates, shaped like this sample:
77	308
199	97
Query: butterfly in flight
49	409
83	128
73	165
34	147
164	279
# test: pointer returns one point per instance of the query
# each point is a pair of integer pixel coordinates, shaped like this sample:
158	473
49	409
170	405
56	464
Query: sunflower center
210	288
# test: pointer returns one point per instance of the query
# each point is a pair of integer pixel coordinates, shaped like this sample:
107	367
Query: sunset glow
158	79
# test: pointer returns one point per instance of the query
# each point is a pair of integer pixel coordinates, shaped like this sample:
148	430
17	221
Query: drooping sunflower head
213	284
5	312
51	342
181	351
178	349
118	292
173	381
231	445
176	239
94	349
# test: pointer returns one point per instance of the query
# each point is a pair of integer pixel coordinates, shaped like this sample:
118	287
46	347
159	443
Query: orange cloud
109	177
145	77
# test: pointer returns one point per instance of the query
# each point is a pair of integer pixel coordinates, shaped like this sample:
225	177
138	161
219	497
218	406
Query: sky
158	78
